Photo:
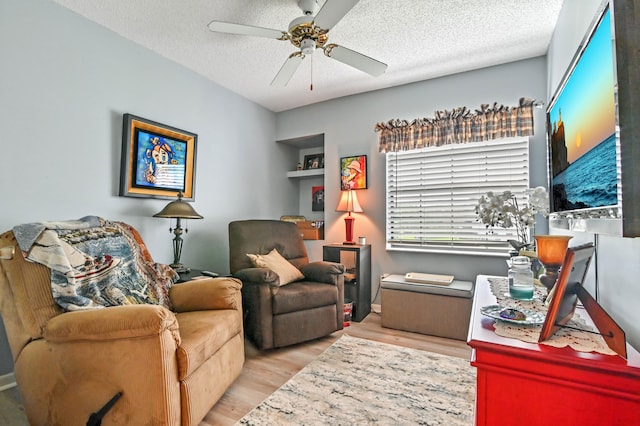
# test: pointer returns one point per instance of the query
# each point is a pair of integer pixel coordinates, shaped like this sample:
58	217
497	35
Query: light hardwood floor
266	371
11	412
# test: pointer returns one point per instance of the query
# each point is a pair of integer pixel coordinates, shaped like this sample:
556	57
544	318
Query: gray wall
618	259
348	126
65	83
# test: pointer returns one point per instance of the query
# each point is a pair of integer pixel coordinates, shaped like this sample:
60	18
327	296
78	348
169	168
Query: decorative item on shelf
314	161
349	203
299	167
178	210
551	252
503	210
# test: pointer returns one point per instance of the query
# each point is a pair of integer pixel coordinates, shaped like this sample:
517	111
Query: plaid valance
457	126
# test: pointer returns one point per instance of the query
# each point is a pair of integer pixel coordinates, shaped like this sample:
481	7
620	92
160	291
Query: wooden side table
522	383
357	281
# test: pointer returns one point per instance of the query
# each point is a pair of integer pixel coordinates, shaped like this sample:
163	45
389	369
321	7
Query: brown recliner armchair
275	315
170	366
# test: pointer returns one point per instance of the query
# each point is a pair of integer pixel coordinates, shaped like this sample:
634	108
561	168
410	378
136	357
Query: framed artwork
158	161
314	161
353	172
317	198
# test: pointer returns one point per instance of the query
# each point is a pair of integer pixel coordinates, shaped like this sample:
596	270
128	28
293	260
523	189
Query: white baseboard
7	381
376	308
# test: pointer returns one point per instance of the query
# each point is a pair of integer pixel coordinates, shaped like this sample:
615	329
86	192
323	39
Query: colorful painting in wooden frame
158	161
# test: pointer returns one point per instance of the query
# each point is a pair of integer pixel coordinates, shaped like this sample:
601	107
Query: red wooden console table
520	383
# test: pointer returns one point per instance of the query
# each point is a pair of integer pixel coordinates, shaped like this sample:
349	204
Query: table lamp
178	210
349	203
551	251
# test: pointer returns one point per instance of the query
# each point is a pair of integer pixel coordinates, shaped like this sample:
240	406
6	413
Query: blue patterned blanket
96	263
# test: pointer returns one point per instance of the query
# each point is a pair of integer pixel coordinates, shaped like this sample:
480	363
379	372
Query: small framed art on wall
353	172
317	198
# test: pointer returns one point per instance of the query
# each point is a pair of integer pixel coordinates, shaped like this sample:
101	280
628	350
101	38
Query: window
432	194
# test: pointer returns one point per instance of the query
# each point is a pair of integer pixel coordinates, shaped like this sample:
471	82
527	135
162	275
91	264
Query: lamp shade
349	202
178	209
551	252
552	248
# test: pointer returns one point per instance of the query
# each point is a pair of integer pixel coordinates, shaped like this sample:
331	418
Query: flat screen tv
581	127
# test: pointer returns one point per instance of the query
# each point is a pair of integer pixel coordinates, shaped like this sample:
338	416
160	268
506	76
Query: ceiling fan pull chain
311	85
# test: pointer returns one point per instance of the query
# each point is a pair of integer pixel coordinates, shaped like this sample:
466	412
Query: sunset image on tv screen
582	124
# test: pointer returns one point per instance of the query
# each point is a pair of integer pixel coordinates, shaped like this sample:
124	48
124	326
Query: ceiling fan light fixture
308	46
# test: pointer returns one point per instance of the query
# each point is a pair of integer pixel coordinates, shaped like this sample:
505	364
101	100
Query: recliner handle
95	419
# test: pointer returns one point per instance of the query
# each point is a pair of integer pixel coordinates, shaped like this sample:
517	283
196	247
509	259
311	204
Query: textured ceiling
418	39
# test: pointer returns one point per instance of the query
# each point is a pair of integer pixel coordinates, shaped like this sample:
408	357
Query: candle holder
551	251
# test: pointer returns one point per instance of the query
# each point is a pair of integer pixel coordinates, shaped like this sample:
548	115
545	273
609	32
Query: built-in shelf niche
304	180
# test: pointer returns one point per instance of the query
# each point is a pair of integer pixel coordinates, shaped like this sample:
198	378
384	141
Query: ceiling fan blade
332	12
231	28
288	69
355	59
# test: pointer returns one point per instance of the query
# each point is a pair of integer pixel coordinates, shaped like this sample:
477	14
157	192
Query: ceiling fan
309	33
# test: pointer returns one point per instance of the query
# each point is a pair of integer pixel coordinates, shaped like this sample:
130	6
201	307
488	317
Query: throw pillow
278	264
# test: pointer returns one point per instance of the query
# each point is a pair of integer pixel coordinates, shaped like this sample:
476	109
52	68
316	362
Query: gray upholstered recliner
274	315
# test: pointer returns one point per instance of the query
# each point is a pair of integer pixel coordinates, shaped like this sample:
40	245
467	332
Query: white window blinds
432	194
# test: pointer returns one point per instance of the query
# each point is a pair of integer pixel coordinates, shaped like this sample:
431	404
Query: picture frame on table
313	161
563	298
353	172
157	160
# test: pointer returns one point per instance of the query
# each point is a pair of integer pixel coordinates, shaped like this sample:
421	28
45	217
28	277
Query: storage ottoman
436	310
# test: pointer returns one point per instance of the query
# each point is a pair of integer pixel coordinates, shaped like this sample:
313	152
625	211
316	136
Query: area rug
357	381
